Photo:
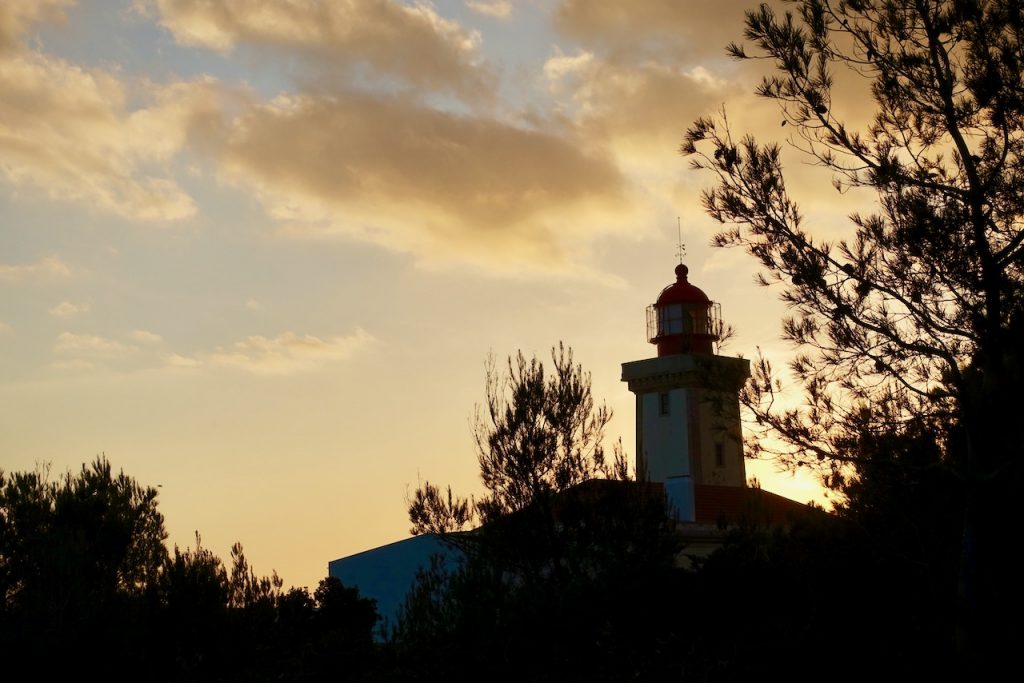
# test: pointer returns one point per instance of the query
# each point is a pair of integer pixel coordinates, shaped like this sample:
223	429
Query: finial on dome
681	272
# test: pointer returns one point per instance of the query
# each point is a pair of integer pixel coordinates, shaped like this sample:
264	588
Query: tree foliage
557	580
923	301
79	543
537	434
915	321
83	567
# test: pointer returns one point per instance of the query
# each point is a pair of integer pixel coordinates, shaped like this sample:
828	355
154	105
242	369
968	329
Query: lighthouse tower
687	407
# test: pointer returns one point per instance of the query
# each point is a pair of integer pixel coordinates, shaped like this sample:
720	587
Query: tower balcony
684	328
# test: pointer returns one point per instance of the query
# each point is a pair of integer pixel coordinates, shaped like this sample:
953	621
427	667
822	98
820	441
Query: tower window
663	404
671	319
674	319
719	455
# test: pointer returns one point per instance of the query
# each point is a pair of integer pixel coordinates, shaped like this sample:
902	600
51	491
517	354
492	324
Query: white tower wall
665	432
688	420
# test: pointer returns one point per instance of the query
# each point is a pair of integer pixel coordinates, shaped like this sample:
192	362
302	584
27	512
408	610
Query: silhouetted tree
569	554
246	590
814	599
232	624
193	614
344	611
84	573
194	581
79	558
916	319
538	434
81	539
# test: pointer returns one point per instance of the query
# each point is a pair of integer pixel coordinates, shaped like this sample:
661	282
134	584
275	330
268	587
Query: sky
257	252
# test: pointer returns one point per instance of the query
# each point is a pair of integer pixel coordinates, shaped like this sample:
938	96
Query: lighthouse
688	435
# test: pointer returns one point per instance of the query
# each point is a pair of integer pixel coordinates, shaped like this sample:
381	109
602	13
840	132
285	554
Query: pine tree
916	319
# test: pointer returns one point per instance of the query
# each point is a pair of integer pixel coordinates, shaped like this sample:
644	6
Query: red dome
682	292
683	320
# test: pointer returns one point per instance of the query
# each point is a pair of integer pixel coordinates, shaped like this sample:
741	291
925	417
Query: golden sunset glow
257	251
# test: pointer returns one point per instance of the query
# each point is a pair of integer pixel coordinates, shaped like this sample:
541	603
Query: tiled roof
718	505
734	504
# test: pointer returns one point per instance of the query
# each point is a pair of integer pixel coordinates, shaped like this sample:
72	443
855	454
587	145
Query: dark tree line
88	586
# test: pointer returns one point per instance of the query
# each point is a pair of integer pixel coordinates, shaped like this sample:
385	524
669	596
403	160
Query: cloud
641	72
16	16
499	9
72	365
286	353
175	360
146	337
70	342
5	329
668	58
660	29
66	309
649	68
253	305
137	350
645	70
68	131
410	42
562	65
49	268
394	172
640	112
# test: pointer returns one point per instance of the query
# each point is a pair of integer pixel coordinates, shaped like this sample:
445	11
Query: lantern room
683	320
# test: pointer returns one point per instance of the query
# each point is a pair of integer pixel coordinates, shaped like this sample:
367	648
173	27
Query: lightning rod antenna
681	252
